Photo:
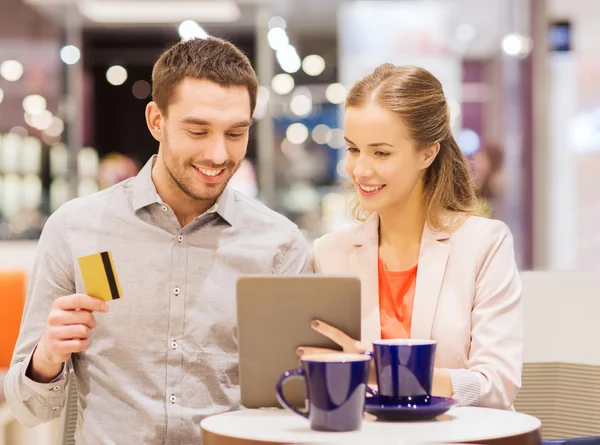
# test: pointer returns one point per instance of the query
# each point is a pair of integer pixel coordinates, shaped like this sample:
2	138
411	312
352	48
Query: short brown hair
416	96
212	59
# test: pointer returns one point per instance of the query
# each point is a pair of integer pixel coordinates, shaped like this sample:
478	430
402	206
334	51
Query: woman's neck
402	226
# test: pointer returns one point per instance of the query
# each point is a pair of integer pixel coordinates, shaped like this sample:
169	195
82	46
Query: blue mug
404	370
336	387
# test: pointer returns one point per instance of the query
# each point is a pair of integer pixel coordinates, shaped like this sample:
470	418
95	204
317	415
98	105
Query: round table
459	425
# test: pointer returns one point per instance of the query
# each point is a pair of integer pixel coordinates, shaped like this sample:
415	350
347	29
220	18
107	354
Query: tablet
274	314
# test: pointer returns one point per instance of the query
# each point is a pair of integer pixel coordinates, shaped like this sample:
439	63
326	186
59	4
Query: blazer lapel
433	257
363	261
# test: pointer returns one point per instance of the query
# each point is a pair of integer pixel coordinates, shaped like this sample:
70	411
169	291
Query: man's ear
154	120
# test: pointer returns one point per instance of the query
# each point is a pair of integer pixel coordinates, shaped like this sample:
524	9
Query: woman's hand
442	384
349	345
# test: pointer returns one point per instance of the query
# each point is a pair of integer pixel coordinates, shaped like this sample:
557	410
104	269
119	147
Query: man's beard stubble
178	180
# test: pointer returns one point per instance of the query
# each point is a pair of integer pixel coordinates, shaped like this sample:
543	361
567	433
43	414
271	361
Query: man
152	364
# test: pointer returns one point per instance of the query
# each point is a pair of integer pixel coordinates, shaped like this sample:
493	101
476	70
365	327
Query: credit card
99	276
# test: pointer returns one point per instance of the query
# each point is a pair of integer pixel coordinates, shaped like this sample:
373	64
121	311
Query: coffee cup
404	370
336	387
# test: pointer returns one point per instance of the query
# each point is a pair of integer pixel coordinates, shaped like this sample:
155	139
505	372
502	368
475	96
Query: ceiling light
336	138
336	93
301	105
56	127
277	38
141	89
277	22
297	133
321	134
34	104
282	83
41	121
70	54
11	70
288	59
313	65
517	45
190	29
159	11
116	75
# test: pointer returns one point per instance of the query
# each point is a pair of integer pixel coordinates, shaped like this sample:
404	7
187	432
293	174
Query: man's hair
212	59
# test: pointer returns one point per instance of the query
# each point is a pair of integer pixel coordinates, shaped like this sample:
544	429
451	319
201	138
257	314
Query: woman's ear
429	154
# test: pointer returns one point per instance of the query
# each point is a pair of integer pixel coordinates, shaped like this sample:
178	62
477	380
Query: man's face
204	136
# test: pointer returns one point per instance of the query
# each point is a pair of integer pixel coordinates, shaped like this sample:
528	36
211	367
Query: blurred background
520	76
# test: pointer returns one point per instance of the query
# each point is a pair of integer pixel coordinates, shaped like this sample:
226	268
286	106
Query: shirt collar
225	205
144	191
145	194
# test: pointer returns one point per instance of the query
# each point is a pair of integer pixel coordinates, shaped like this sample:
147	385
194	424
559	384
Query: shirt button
55	408
174	344
165	208
56	388
180	238
172	399
176	291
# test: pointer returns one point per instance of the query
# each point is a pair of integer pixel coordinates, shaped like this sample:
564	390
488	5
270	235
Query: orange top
396	298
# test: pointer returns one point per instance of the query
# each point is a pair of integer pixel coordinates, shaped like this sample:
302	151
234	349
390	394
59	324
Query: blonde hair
416	96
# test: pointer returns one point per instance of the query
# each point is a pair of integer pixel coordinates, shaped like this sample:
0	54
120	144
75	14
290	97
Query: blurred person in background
430	268
115	168
488	164
165	355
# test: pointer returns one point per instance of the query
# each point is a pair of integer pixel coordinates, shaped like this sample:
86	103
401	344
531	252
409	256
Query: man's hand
69	327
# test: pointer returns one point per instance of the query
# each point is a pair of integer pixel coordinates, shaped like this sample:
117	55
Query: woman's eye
381	154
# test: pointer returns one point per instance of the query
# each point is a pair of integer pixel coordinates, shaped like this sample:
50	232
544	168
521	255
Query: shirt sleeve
294	256
32	402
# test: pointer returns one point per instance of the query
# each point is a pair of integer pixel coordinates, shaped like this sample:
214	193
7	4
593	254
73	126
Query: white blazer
467	298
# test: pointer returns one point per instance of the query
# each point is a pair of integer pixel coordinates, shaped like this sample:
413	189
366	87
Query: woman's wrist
442	383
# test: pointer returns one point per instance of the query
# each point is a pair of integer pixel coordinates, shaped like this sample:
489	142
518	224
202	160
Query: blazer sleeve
496	357
316	255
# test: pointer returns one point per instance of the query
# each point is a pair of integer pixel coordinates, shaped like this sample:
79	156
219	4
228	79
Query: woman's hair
417	98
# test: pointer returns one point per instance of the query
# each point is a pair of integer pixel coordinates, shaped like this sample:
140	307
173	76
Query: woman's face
382	160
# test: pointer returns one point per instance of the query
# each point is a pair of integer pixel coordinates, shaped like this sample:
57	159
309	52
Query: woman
429	267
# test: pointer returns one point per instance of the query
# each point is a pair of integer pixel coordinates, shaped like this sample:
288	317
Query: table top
463	424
